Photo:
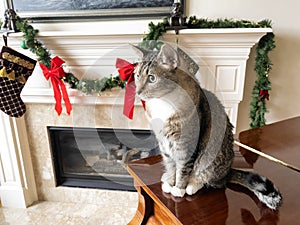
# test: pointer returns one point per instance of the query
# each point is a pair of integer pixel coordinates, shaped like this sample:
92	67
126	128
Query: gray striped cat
193	131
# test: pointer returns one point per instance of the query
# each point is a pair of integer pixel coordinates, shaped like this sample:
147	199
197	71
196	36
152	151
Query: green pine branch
263	66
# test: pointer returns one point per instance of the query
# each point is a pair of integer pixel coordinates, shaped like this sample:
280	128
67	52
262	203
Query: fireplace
97	157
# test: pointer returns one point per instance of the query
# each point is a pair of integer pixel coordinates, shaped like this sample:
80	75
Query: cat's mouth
142	97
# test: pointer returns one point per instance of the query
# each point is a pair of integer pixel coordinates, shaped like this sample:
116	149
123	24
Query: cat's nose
139	89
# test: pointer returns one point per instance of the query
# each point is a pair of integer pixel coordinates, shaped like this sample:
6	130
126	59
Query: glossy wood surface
280	140
233	205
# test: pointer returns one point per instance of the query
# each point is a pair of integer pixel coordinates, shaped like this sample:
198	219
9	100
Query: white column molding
17	187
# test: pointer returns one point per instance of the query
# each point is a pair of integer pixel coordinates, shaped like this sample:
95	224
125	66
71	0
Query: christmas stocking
15	68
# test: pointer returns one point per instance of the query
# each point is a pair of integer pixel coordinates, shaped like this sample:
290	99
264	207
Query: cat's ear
140	51
168	57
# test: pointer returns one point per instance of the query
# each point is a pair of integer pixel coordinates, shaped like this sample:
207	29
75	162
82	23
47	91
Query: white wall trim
18	188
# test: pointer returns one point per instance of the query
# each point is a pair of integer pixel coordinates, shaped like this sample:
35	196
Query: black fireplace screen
97	157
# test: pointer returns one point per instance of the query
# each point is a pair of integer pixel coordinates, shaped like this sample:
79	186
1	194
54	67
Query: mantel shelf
102	31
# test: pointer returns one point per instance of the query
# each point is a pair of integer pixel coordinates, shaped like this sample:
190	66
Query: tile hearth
58	213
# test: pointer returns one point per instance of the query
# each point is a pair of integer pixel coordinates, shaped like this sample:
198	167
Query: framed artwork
49	10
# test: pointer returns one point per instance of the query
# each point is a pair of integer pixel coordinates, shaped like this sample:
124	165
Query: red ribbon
56	73
126	72
264	94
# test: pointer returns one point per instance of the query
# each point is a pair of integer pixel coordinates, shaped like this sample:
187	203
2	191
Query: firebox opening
97	157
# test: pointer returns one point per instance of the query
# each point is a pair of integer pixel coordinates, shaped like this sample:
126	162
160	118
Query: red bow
126	72
55	73
264	94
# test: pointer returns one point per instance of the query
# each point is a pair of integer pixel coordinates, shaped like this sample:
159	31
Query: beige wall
285	76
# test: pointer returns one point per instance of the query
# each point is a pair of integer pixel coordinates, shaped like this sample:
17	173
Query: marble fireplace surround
26	167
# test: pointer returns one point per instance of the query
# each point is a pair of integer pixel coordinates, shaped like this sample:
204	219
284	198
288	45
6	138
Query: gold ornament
3	72
10	76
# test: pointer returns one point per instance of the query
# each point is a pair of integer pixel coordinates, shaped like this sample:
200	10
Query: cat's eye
151	78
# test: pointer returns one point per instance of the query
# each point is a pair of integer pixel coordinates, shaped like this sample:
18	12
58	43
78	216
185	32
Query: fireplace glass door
97	157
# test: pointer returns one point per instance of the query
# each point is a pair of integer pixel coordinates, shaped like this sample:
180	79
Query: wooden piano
233	205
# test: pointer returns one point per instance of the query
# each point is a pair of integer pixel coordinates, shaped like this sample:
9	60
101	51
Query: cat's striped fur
192	128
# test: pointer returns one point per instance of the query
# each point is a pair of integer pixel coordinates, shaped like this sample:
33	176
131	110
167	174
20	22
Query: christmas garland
262	61
86	86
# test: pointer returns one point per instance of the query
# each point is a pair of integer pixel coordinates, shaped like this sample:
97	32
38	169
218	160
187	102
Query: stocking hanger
5	39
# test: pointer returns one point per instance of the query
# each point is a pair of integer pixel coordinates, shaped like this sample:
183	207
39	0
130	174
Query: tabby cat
193	131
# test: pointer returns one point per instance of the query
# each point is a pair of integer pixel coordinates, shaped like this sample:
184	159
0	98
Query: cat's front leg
168	177
182	177
194	185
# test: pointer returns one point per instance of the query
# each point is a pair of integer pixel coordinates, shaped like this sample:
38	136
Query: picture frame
62	10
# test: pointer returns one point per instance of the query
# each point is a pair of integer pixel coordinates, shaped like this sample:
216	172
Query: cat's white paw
166	187
177	192
192	188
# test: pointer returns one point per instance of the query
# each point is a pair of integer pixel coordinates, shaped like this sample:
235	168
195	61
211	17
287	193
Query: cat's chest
159	109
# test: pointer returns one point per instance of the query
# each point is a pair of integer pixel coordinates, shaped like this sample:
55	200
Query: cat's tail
262	187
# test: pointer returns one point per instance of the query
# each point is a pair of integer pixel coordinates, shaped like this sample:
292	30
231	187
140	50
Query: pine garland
262	85
86	86
30	42
263	63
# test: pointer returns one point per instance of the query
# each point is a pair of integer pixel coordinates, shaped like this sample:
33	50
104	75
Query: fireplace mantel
220	53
